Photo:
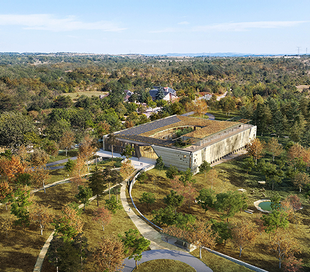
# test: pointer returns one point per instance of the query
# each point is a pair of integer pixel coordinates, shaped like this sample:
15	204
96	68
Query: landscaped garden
232	176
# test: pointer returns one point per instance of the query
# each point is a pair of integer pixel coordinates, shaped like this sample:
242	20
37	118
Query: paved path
211	116
60	161
168	254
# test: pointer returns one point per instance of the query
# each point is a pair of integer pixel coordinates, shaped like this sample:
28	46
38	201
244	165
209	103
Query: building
169	93
184	142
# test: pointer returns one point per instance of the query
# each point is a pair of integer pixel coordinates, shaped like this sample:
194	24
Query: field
232	177
76	95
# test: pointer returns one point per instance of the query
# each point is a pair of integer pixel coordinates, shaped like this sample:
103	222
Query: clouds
243	26
50	22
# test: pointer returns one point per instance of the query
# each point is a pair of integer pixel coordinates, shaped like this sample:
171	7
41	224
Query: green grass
76	95
62	155
164	265
233	177
222	116
219	264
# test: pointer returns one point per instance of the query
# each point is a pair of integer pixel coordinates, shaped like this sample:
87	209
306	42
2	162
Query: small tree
222	230
173	200
243	234
134	244
109	255
39	175
102	216
300	180
19	207
206	198
283	245
87	149
249	164
255	149
205	167
69	166
42	215
148	198
159	163
274	148
84	195
187	191
273	221
230	203
127	152
127	168
39	157
113	204
292	264
112	141
166	216
66	141
97	183
171	172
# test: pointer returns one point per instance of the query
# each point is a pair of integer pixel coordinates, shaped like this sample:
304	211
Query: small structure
169	93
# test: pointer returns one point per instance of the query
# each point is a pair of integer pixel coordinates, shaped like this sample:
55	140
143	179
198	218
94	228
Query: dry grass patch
164	265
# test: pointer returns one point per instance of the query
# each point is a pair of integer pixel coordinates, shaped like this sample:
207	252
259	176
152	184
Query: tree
159	163
50	147
248	164
206	198
127	152
39	157
274	148
13	127
19	206
97	183
69	225
38	175
87	149
84	195
243	234
295	151
69	166
134	244
187	191
66	141
230	203
160	94
42	215
171	172
10	168
109	255
275	220
201	235
166	216
283	244
205	167
113	204
300	180
222	230
187	176
5	193
148	198
127	168
173	200
292	264
272	174
102	216
112	141
200	107
255	149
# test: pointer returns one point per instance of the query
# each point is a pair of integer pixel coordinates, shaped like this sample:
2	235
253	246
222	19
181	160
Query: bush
159	163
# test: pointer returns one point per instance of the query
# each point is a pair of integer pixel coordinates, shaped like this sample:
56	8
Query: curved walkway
168	254
211	116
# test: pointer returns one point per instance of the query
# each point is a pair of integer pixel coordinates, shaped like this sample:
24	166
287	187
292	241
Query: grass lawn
20	250
76	95
164	265
233	177
62	155
222	116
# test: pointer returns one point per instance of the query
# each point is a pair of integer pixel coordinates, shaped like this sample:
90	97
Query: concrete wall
175	157
214	151
219	149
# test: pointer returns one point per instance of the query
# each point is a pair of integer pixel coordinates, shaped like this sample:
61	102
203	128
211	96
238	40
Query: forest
50	103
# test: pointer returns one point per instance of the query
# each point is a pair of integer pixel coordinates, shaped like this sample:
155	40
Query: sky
155	27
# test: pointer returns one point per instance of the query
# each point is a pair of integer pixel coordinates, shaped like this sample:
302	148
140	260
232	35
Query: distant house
128	94
205	95
169	93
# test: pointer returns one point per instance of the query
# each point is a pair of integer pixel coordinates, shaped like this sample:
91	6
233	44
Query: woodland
59	106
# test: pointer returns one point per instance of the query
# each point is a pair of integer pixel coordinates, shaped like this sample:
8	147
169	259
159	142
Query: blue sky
155	27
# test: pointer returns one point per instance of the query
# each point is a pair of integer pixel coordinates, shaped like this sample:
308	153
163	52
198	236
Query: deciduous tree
39	175
87	148
84	195
243	234
42	215
255	149
102	216
5	193
274	148
109	255
66	141
300	180
205	167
